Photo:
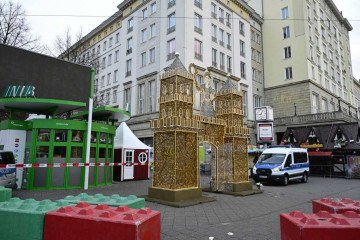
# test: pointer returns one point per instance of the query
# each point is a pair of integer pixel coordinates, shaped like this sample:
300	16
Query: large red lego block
101	222
336	205
322	225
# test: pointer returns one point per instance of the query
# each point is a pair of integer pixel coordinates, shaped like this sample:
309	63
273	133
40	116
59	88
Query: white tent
125	138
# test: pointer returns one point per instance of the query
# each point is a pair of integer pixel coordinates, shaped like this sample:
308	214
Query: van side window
288	161
300	157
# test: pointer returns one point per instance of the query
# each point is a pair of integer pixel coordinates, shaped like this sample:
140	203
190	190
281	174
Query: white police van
7	175
282	164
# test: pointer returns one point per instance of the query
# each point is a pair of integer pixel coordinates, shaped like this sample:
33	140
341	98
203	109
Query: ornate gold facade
178	132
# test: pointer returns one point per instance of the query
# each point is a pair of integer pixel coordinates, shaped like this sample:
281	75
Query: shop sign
307	145
265	132
19	91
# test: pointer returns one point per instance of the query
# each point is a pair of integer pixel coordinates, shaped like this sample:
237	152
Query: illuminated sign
307	145
19	91
265	132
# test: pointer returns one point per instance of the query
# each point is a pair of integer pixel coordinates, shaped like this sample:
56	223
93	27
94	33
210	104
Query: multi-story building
307	62
132	48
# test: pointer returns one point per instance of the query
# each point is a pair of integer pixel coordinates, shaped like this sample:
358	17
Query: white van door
129	165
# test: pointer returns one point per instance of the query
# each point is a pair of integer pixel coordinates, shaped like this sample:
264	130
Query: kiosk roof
104	113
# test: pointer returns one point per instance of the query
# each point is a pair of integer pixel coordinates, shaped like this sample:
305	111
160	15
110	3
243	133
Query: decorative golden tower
175	138
233	156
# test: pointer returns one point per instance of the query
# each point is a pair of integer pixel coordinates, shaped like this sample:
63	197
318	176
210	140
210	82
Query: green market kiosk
59	142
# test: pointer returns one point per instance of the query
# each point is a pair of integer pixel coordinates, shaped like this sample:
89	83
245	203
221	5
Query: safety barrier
336	205
55	165
101	222
322	225
5	194
114	200
24	219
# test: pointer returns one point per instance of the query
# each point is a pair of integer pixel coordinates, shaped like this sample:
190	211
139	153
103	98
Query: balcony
198	4
198	56
338	116
243	55
221	19
221	43
214	39
171	29
172	3
130	29
228	46
128	51
213	15
228	24
198	30
128	73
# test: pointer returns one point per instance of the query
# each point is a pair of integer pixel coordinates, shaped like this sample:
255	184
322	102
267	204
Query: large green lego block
24	219
114	200
5	194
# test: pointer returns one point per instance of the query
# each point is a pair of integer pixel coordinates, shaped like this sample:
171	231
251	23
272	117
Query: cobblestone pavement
229	217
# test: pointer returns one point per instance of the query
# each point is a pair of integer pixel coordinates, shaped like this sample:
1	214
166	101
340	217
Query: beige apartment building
307	63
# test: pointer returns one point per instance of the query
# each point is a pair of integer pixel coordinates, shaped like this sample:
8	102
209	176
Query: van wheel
304	178
286	180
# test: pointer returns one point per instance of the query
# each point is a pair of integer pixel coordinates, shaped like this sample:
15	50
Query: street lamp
295	109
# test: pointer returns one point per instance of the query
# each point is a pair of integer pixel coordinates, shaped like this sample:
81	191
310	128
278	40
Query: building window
129	44
214	57
152	30
213	33
108	78
116	77
257	101
143	59
104	46
288	73
286	32
254	74
109	59
98	49
127	99
144	13
229	64
198	23
221	15
107	97
117	37
287	52
114	96
221	37
241	28
171	48
324	105
153	8
143	35
217	85
128	67
228	20
142	158
102	82
213	10
198	49
103	63
228	45
171	23
151	95
242	48
243	70
222	61
141	97
130	25
315	103
285	13
116	56
245	107
96	85
110	42
152	55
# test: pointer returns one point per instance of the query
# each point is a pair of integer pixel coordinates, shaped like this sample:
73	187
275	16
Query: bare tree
14	29
66	46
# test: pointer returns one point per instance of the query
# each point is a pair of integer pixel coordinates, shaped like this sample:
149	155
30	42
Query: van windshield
271	158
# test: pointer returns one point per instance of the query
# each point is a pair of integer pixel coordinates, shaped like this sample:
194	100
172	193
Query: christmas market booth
334	150
132	154
53	149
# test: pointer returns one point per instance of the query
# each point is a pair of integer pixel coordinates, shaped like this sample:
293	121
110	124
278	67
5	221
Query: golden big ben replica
178	131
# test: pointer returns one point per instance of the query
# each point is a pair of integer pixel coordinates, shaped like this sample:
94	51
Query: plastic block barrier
24	219
335	205
101	222
322	225
5	194
114	200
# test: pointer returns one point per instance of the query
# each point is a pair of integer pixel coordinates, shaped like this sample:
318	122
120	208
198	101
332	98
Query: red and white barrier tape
55	165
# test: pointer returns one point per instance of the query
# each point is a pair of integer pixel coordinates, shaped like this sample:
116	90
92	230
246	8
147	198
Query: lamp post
295	114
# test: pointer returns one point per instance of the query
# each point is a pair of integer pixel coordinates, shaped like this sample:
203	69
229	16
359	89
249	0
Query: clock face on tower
260	114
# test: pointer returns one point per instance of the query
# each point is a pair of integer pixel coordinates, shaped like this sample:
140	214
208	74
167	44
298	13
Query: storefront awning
319	154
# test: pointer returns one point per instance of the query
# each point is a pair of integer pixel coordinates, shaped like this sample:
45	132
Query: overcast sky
47	28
